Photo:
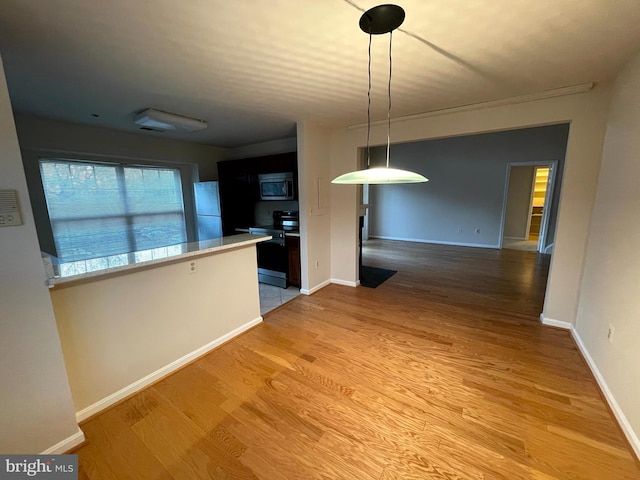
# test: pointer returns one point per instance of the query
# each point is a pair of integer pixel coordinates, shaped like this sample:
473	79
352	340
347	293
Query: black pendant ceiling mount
377	21
381	19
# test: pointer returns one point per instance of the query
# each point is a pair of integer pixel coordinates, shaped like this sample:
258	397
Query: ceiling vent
160	121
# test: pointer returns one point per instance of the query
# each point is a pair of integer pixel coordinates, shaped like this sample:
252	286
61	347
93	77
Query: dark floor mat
372	277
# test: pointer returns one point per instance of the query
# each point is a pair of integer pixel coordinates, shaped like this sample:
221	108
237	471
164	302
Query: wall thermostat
9	212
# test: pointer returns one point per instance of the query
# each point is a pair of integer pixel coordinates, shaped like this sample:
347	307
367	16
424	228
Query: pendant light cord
369	106
379	20
389	109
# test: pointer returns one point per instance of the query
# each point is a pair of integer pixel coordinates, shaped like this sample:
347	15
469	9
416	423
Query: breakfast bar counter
59	272
126	321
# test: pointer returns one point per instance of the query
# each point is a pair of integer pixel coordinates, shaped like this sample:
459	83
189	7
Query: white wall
345	206
610	293
273	147
466	188
315	223
36	411
587	114
518	211
117	330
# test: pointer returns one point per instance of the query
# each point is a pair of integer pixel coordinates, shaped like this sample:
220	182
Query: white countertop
71	271
287	233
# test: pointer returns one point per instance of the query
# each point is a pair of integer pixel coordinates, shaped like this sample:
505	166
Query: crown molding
530	97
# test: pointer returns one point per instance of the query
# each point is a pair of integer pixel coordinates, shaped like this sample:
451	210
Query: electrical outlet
610	333
459	229
317	263
193	267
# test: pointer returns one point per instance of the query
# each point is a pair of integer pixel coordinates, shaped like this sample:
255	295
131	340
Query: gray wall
518	202
466	190
41	137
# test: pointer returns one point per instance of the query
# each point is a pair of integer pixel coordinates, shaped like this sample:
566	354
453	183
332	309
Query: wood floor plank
202	403
184	449
108	433
442	372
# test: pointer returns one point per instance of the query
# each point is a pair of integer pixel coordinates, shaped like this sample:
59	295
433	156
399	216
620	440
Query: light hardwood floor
442	372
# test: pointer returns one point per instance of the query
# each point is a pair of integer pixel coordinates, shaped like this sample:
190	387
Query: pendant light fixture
376	21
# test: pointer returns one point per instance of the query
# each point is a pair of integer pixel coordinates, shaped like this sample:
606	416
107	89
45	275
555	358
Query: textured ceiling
252	68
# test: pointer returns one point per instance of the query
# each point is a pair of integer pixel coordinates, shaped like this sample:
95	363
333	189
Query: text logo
52	467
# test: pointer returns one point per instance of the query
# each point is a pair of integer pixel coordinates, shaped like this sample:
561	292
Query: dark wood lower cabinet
293	251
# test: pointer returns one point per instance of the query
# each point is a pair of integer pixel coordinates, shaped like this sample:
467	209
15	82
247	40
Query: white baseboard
337	281
437	242
66	444
555	323
304	291
162	372
608	395
346	283
615	408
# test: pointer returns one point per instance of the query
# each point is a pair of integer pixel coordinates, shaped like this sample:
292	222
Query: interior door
544	225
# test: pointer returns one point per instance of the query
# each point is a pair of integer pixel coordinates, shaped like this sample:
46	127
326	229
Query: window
100	209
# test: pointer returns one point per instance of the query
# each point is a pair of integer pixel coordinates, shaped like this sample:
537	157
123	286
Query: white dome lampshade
379	176
379	20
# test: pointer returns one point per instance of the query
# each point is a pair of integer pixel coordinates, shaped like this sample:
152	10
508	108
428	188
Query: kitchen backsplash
263	211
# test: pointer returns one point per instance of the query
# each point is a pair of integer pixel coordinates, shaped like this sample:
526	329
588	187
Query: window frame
31	160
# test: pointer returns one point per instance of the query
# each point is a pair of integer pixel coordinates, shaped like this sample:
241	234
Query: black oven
273	260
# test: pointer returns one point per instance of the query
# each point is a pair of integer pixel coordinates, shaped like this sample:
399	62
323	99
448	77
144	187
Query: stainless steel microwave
276	186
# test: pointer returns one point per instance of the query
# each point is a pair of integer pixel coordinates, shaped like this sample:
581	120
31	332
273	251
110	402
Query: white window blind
100	209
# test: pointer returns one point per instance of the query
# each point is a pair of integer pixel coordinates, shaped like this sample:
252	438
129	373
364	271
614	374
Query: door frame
544	224
531	198
548	196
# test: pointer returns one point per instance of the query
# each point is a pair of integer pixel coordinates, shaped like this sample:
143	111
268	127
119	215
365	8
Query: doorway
528	203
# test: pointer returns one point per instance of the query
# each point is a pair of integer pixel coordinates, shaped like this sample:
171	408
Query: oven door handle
277	238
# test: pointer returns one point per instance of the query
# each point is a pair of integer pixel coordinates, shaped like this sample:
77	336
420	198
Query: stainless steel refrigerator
207	200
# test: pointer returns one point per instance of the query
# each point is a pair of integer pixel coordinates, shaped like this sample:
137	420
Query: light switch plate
9	212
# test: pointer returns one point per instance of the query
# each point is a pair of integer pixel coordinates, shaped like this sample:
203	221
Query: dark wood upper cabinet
239	186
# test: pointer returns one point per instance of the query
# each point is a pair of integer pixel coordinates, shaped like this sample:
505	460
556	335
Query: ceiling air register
164	121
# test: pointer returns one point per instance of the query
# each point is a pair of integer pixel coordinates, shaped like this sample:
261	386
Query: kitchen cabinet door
293	252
